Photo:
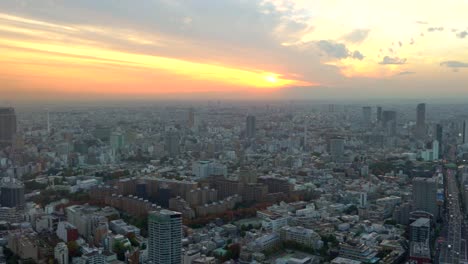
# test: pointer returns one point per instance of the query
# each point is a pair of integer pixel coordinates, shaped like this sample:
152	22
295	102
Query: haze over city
233	131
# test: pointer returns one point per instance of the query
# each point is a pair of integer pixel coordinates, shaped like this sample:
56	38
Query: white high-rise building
61	253
165	237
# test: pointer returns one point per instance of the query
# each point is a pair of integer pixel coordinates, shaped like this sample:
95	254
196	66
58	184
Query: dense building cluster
234	183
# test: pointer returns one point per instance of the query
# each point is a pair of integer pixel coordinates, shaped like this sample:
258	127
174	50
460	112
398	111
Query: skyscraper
250	127
367	115
7	126
171	142
191	118
165	237
439	133
425	195
389	121
420	120
465	132
379	114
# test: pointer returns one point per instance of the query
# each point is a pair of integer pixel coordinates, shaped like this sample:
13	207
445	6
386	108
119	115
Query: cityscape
294	182
233	132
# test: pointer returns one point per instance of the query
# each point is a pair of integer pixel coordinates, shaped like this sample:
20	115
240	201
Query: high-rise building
435	150
171	141
191	118
420	234
7	126
465	132
165	237
389	122
420	230
425	195
363	199
337	148
250	127
102	133
61	253
420	120
12	193
439	134
117	140
379	114
367	115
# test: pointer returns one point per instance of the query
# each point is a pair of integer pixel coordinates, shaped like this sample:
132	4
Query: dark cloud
462	34
406	73
333	49
400	44
454	64
338	50
358	55
432	29
392	60
357	35
411	41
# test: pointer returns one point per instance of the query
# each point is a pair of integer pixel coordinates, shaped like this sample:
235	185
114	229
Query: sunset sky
239	49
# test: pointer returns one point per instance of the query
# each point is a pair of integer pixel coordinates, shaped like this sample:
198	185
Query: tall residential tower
165	237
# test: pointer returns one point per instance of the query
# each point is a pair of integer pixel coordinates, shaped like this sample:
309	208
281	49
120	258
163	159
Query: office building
191	118
117	140
435	150
165	237
337	148
420	120
61	253
366	115
389	119
425	195
12	193
171	141
7	126
250	127
465	132
379	114
439	134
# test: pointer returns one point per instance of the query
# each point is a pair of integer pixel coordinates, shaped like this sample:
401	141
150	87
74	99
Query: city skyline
271	50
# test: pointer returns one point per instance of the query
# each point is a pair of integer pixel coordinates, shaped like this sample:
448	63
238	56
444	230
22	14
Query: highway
452	251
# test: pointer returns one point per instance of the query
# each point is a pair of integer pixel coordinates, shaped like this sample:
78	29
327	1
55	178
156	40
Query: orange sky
121	50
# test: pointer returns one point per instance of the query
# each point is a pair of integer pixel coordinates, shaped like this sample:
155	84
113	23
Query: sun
271	79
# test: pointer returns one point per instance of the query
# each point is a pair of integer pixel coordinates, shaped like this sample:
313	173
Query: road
452	250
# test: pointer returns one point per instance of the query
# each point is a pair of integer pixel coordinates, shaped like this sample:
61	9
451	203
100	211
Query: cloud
338	50
454	64
333	49
406	73
357	35
358	55
432	29
392	60
422	22
462	34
